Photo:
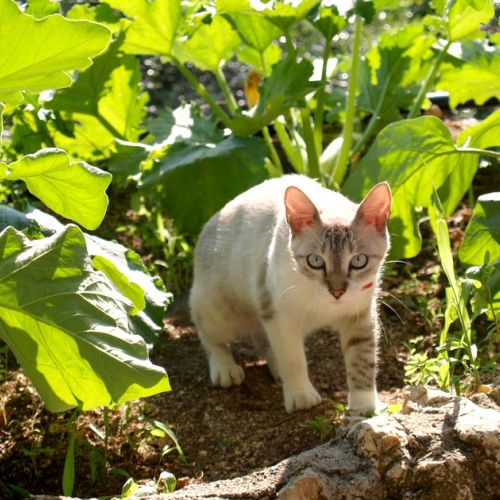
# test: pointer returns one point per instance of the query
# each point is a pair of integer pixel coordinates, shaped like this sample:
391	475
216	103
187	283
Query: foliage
68	325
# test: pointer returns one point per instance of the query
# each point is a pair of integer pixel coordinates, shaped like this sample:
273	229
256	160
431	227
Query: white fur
249	235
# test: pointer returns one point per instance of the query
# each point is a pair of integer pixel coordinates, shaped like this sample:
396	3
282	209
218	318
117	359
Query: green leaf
465	18
483	231
131	290
126	270
289	82
282	13
68	480
476	79
327	21
195	181
76	191
484	135
36	55
42	8
68	327
224	42
184	124
255	31
261	61
110	91
413	156
154	25
101	13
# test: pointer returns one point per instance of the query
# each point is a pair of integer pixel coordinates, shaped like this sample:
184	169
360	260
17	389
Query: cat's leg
262	344
287	344
224	371
216	330
359	346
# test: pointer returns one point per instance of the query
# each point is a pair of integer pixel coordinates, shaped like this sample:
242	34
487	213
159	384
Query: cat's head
341	256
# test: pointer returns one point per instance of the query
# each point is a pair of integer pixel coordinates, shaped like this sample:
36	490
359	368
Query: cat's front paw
301	399
226	375
365	403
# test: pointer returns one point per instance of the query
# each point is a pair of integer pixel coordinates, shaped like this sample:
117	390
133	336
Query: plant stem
340	168
274	154
293	154
417	104
320	99
312	154
201	90
230	100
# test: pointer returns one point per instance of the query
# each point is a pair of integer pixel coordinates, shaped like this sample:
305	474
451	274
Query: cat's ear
300	210
375	209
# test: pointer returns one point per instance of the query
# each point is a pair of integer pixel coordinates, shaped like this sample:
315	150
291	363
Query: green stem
417	104
230	100
293	154
201	90
340	168
320	99
274	154
288	41
106	431
312	153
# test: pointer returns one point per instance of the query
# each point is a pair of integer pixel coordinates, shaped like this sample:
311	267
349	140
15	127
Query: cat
283	259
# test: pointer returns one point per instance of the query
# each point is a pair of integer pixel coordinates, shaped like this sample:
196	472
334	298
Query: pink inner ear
375	208
300	210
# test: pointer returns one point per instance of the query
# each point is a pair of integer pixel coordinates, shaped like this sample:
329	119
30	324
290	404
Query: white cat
281	260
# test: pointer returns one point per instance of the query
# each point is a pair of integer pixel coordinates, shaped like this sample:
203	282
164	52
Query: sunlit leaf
154	25
483	231
67	326
39	54
465	18
76	191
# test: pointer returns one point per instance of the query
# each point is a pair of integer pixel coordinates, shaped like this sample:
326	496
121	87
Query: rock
445	447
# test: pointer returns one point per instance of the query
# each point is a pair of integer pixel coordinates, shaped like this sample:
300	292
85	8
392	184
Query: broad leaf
76	191
483	231
466	16
154	25
255	31
327	21
196	181
209	56
39	54
413	156
261	61
110	91
476	79
68	327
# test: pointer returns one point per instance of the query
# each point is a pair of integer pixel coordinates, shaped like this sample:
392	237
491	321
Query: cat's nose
337	293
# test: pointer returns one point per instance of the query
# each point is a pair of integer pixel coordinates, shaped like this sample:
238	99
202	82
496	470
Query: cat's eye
359	261
315	261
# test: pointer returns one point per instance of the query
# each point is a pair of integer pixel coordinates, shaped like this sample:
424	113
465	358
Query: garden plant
334	91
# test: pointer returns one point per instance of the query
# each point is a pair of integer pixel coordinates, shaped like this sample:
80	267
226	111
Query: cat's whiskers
285	291
386	292
392	309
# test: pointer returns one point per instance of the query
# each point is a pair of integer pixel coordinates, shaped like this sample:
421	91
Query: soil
222	433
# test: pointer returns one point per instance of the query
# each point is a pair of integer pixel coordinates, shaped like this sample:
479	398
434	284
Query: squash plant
71	306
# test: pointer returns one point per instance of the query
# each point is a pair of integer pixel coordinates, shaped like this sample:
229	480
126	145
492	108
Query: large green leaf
209	56
76	191
110	91
466	16
39	54
413	156
483	231
122	266
476	79
154	25
255	31
195	181
68	327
